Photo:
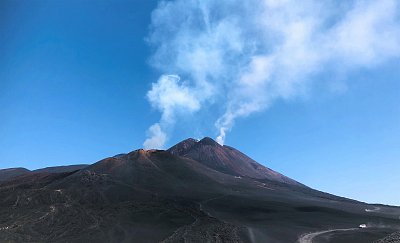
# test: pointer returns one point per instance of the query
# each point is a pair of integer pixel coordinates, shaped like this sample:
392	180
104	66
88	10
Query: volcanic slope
226	159
196	191
7	174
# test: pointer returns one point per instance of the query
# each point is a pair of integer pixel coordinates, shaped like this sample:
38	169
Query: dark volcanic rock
197	191
7	174
227	160
60	169
181	148
392	238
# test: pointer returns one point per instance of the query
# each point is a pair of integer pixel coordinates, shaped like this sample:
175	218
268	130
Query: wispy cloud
170	96
247	54
156	137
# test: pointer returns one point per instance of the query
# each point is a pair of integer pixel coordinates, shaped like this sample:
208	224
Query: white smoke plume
156	137
170	96
247	54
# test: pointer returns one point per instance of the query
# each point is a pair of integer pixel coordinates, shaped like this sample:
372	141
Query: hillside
196	191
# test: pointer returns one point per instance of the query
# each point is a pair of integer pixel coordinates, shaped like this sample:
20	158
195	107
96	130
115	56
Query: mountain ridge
226	159
10	173
196	191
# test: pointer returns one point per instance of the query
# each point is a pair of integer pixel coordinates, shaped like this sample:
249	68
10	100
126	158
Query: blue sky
83	80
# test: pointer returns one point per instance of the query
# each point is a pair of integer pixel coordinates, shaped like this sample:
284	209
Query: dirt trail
205	228
308	238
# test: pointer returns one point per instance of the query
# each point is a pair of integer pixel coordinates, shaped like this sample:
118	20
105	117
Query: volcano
195	191
226	159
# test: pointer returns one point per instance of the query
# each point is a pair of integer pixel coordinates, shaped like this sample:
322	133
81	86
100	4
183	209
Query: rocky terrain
196	191
392	238
7	174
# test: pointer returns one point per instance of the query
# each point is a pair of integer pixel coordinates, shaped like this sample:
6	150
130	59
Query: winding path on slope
308	238
198	230
201	207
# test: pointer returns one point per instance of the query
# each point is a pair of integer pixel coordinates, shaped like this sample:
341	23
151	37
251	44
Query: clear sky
313	96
